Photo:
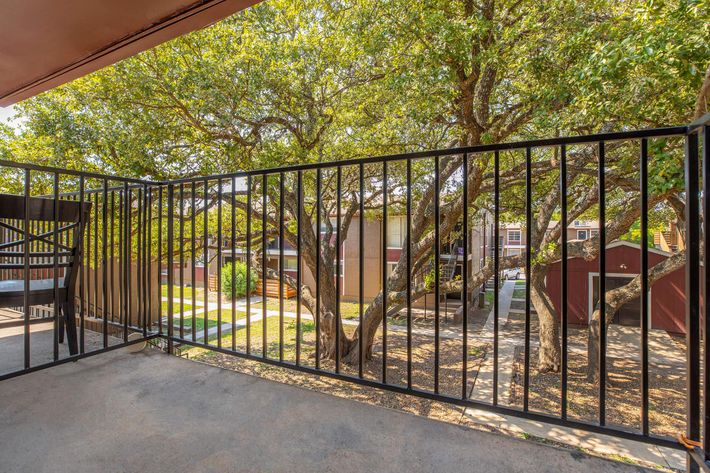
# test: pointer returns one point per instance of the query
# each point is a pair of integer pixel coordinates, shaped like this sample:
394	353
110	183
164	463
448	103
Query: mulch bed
623	390
450	367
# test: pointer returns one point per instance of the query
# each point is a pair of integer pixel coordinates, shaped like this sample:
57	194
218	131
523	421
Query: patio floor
146	411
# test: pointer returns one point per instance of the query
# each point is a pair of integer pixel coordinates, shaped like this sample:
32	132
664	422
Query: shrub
238	287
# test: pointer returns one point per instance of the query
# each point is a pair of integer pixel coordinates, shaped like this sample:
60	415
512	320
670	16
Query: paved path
482	389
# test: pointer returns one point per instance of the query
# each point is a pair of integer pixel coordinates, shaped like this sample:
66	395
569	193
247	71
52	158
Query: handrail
477	149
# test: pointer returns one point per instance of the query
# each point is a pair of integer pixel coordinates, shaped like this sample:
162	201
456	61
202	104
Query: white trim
509	231
590	293
617	243
636	246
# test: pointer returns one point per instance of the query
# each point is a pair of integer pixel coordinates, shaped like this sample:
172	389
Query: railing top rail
478	149
697	124
72	172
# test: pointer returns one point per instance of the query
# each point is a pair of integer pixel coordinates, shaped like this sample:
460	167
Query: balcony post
692	301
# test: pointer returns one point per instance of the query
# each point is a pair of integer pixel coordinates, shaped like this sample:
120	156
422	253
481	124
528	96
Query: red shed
623	262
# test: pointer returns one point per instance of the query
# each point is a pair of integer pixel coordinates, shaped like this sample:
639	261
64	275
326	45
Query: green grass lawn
272	337
176	307
348	310
187	292
199	323
519	293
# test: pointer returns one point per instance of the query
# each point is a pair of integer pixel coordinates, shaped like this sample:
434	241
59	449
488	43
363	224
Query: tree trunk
593	344
549	351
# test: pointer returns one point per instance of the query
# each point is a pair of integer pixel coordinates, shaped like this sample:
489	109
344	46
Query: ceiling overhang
46	43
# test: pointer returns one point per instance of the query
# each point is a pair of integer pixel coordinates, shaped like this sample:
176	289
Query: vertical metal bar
219	263
385	298
563	277
181	256
299	221
602	286
112	260
87	245
171	271
233	291
644	284
81	267
104	260
281	266
26	261
706	292
139	265
361	269
160	258
146	261
528	248
129	256
139	227
248	258
205	275
193	258
121	256
496	270
263	265
409	273
55	266
319	184
96	254
692	290
464	279
437	271
338	275
126	259
149	263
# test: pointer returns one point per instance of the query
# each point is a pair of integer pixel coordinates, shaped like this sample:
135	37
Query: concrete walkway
482	389
149	412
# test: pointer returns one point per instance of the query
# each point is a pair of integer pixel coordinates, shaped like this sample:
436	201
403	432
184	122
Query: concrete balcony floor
149	412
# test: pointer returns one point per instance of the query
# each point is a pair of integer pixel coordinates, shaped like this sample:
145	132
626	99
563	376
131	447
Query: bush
238	287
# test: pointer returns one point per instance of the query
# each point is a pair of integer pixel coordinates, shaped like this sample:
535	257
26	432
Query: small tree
237	287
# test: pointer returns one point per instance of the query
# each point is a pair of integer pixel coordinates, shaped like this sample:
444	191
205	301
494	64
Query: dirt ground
623	387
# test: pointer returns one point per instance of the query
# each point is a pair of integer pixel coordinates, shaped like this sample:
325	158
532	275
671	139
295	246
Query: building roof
46	43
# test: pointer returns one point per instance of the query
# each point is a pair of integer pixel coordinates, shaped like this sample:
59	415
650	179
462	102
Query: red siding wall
667	294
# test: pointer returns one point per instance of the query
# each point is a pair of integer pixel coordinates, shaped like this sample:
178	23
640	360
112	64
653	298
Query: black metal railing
152	247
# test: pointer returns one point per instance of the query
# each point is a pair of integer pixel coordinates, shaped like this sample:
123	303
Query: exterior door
630	313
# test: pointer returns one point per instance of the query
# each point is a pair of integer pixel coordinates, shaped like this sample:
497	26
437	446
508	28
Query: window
290	263
514	237
594	233
342	266
582	234
390	268
396	231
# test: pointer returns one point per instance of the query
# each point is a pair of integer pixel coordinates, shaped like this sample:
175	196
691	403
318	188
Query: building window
594	233
514	237
396	231
582	234
390	268
290	263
